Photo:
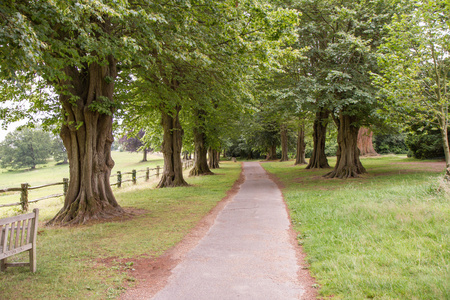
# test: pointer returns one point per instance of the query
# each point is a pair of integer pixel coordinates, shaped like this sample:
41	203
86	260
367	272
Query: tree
284	142
415	66
134	143
78	54
25	148
301	145
318	157
365	142
210	52
343	37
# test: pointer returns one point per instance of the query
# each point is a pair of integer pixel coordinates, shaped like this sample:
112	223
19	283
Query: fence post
147	174
24	196
157	171
133	176
119	179
65	186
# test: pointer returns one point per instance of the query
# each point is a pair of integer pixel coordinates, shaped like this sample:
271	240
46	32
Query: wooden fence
25	187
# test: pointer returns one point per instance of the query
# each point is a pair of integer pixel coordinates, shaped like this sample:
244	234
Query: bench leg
33	259
3	264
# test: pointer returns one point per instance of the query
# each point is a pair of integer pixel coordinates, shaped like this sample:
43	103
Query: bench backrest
18	234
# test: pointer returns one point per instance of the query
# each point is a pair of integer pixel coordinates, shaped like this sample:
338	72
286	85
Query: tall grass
384	235
71	261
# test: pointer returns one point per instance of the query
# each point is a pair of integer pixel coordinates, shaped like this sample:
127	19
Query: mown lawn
71	260
382	236
50	173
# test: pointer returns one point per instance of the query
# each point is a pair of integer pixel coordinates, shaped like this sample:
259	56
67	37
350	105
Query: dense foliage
259	77
390	143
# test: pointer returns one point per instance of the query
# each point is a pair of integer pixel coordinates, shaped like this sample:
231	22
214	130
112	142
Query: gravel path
247	254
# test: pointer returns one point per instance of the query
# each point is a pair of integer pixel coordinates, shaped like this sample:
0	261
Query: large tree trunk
214	158
318	158
201	162
172	175
284	143
300	157
365	143
348	164
87	136
272	152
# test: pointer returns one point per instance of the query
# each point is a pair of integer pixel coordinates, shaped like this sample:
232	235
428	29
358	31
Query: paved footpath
247	253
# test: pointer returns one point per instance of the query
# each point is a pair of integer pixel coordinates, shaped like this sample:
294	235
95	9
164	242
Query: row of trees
197	73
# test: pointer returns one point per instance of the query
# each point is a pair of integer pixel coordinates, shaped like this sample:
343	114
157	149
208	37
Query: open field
85	262
49	173
385	235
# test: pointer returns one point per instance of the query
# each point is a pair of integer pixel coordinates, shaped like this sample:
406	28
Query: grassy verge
70	260
382	236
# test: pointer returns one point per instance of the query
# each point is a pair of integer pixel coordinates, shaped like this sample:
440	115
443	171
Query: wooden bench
17	235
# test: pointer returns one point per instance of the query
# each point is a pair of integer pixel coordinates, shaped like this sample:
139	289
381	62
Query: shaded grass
383	236
71	261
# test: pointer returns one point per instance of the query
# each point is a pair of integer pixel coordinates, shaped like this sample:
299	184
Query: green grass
50	172
382	236
71	261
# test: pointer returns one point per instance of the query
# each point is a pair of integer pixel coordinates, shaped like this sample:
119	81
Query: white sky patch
11	127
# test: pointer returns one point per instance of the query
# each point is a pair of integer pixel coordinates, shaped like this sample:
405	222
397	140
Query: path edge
303	274
153	273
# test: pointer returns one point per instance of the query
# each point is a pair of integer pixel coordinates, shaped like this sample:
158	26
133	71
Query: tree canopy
415	65
188	71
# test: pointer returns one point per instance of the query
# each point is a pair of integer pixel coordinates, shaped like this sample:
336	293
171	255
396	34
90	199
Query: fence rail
25	187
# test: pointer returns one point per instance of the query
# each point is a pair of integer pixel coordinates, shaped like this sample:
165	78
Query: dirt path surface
247	254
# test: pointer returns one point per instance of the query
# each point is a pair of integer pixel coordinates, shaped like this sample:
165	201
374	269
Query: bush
427	144
390	143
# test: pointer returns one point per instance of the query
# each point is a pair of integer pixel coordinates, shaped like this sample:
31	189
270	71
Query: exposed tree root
343	173
169	181
199	172
78	214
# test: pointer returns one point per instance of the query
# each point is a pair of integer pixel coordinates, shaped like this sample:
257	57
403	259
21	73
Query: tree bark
301	145
318	158
172	175
444	132
145	155
272	152
200	152
365	143
284	143
87	136
348	164
214	157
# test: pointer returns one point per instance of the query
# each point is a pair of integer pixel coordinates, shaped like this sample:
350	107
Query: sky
11	128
